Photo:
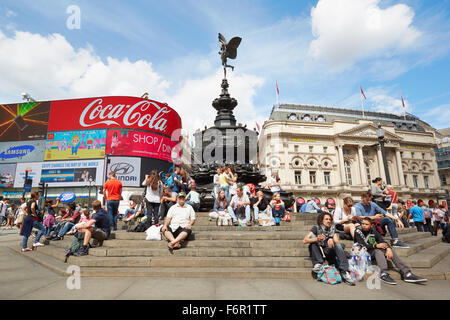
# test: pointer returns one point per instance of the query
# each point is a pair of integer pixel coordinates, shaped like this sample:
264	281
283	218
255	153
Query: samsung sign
127	169
22	151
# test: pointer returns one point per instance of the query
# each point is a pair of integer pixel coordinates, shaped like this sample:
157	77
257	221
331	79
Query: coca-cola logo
143	114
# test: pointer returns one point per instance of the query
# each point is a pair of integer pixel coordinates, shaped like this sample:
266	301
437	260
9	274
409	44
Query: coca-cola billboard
113	112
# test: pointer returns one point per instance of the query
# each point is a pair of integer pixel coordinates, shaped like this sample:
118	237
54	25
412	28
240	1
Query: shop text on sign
113	112
139	144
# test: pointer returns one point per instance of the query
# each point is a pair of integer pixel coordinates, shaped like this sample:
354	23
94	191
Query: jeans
152	210
428	227
256	211
278	213
386	221
48	230
113	207
41	228
193	205
129	212
227	191
380	257
66	228
330	254
164	208
240	210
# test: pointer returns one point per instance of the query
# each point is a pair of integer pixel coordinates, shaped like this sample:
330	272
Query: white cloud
193	101
348	30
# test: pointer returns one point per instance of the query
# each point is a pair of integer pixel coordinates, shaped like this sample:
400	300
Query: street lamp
380	135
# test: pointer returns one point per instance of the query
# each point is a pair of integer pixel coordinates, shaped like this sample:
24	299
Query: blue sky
319	51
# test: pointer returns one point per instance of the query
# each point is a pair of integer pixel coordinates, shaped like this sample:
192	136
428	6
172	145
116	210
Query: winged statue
228	50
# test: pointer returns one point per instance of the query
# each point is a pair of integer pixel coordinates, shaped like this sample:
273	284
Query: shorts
177	232
98	234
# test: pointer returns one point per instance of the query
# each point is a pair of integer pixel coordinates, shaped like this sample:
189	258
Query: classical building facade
331	152
443	158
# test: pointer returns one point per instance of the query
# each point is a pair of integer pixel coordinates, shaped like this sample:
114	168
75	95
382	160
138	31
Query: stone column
401	177
362	168
380	164
341	164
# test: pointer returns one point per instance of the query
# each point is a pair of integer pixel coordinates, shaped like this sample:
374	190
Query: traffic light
41	188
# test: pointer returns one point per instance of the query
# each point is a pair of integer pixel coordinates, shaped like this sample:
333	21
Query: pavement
23	279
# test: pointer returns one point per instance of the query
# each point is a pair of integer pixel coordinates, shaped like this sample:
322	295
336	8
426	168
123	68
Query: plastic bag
153	233
266	220
359	263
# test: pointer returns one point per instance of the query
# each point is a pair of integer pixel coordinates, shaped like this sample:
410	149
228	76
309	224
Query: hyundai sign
127	169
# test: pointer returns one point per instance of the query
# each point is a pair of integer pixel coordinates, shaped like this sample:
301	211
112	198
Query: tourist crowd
173	203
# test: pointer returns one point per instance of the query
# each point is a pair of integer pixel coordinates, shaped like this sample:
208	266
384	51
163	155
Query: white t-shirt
181	216
339	214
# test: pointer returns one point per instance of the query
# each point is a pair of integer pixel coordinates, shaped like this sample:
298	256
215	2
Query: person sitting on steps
277	207
368	208
377	247
324	243
240	204
97	228
345	217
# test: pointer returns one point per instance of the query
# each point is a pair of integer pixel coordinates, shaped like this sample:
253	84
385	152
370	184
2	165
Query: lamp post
380	135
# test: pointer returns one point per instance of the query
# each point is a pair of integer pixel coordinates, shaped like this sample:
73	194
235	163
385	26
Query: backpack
329	274
377	226
143	226
170	182
77	244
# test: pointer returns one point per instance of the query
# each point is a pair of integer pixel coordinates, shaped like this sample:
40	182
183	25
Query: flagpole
362	105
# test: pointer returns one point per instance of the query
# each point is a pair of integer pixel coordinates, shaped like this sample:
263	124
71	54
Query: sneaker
56	238
26	249
37	244
236	223
387	279
249	224
317	267
347	278
400	244
82	252
410	277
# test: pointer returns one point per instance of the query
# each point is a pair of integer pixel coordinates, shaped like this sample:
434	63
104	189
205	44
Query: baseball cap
181	195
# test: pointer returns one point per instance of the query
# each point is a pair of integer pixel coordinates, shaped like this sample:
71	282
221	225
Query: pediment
369	131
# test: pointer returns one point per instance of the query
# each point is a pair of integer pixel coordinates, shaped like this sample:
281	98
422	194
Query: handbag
329	274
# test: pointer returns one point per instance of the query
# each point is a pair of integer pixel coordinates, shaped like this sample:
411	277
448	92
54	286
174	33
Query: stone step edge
60	268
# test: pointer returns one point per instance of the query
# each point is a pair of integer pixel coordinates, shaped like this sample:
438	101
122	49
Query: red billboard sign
113	112
139	144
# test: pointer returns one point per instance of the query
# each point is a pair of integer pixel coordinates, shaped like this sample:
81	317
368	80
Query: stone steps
439	272
230	252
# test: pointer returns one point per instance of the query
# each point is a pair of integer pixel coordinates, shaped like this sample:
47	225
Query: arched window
348	172
366	164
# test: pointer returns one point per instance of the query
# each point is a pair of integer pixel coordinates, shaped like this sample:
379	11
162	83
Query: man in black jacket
377	247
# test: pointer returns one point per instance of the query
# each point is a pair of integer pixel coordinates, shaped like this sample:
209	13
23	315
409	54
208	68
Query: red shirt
394	196
114	188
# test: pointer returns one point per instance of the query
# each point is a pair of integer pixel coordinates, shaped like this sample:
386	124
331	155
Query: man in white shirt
240	203
178	223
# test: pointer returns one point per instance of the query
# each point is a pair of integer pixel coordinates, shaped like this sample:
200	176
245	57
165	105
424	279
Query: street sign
27	187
